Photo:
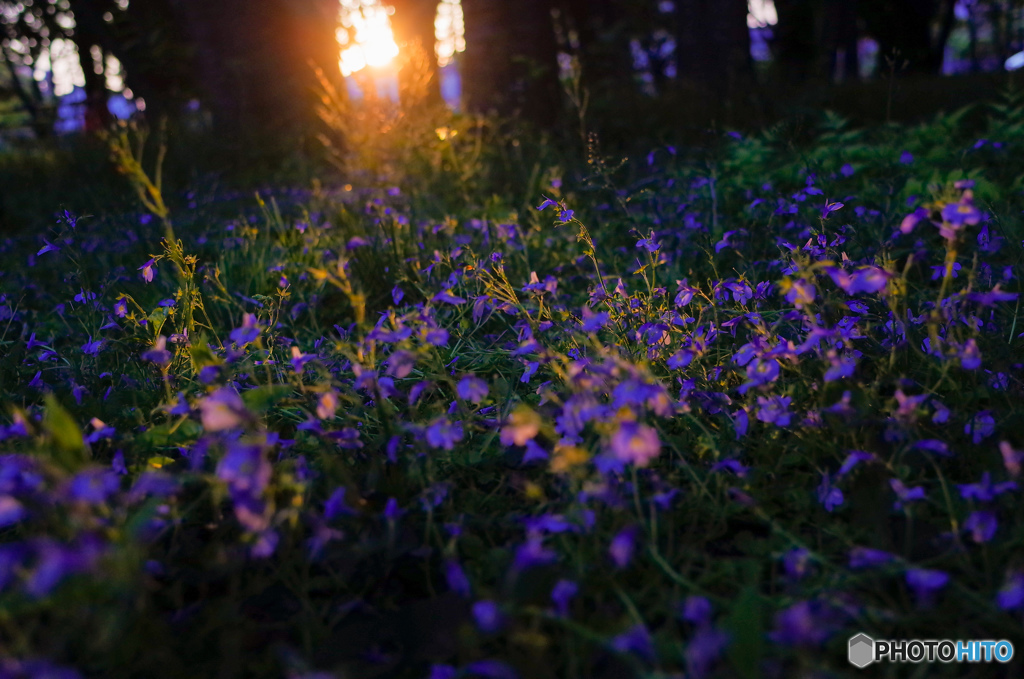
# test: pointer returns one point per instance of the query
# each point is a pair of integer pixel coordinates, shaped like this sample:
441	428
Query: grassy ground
699	414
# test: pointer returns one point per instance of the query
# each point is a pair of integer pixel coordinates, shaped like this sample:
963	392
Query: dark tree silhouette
713	45
511	61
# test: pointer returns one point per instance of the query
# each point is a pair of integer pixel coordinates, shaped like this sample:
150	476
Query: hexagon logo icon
861	651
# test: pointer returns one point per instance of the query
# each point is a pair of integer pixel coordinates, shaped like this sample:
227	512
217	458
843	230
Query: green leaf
747	630
260	399
157	320
171	434
69	446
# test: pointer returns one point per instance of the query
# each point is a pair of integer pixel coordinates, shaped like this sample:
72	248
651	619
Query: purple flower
443	672
336	506
961	214
1013	460
801	293
533	553
981	525
797	563
561	593
245	469
637	641
223	409
853	459
984	490
970	355
905	494
623	546
444	434
805	623
491	669
487	616
457	580
1011	596
635	443
926	583
697	610
471	388
774	410
593	322
158	353
828	495
906	158
248	332
841	367
866	557
11	511
447	297
846	170
763	371
829	208
93	486
981	426
913	219
148	270
704	649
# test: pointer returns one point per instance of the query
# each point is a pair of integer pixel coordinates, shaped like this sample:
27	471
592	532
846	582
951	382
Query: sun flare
365	36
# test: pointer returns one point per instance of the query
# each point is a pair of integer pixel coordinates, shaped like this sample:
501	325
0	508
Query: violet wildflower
800	293
457	580
985	490
829	208
327	405
148	270
961	214
906	158
970	355
490	669
443	672
981	426
828	495
447	297
443	434
532	553
335	505
487	616
93	486
244	468
981	525
913	219
805	623
705	648
158	353
223	409
635	443
247	332
1011	595
11	511
926	583
637	641
1013	460
697	610
797	563
905	494
472	388
623	546
866	557
561	594
774	410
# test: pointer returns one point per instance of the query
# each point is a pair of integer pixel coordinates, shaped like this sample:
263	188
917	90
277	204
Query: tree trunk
511	61
713	45
413	23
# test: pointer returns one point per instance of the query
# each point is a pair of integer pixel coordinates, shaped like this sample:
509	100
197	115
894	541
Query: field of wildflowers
491	413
